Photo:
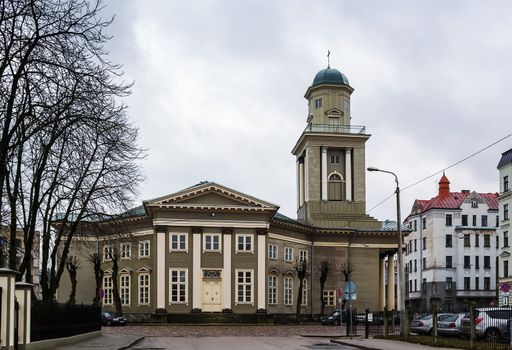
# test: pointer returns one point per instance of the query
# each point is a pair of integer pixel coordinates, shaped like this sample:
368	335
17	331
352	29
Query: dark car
333	318
108	319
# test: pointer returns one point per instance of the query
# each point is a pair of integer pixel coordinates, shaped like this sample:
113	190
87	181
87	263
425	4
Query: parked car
333	318
450	325
424	325
490	323
108	319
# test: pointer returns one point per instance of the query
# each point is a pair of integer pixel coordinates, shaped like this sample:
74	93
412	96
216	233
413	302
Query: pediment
126	270
144	269
334	112
504	254
209	195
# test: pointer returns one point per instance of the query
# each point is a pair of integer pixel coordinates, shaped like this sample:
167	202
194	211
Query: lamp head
372	168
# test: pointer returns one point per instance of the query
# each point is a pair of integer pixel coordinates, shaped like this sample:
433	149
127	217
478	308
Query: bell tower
330	157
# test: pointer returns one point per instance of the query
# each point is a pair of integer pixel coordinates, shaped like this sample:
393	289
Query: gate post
24	298
7	280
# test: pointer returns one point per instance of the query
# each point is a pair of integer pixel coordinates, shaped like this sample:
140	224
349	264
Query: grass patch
445	342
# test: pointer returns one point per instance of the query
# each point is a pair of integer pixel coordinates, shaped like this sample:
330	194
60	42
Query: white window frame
178	283
144	288
244	237
179	236
123	249
272	251
288	290
272	290
303	254
288	254
330	297
141	248
108	286
219	242
304	292
108	256
125	289
242	286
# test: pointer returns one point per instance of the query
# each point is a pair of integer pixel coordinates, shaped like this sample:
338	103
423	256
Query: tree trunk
115	287
299	300
322	300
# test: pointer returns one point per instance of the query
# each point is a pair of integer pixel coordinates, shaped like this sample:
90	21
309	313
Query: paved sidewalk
383	344
104	342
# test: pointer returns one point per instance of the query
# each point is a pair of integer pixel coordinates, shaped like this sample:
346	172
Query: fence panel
54	320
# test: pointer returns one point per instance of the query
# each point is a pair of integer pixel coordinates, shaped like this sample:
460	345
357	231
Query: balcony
335	129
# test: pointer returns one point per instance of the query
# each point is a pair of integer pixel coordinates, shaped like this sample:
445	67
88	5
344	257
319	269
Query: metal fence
54	320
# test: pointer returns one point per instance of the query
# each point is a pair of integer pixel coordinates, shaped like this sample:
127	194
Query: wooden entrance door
212	297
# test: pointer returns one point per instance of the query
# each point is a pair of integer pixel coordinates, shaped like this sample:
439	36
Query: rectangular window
272	251
474	203
303	255
108	250
415	285
474	220
464	220
505	183
415	226
424	262
448	220
107	288
477	262
414	245
487	262
497	221
318	103
144	289
484	220
125	290
505	239
467	283
144	249
487	283
211	242
449	284
244	287
415	265
449	261
467	263
487	241
424	284
477	283
178	286
288	254
244	243
424	243
505	212
505	268
288	291
329	297
272	290
335	159
424	223
126	250
477	240
467	242
179	242
304	301
448	242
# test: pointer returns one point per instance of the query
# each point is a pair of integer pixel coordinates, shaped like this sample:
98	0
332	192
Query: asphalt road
245	343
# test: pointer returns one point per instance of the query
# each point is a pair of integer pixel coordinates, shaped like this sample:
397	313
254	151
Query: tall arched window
335	187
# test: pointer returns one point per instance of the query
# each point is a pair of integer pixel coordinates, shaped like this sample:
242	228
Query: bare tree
301	267
114	256
346	269
95	260
324	272
72	265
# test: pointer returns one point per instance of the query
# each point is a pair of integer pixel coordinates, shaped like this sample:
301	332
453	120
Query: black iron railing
335	129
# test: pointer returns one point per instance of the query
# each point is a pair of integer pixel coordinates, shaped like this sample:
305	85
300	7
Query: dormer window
474	203
318	103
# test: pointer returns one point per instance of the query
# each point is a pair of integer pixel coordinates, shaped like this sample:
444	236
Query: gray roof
506	158
389	225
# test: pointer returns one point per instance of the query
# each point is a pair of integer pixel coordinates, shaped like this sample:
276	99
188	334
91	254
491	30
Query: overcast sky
219	89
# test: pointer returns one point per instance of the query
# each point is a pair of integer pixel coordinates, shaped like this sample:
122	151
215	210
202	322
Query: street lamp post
401	274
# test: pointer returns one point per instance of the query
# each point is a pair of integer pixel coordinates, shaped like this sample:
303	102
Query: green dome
330	76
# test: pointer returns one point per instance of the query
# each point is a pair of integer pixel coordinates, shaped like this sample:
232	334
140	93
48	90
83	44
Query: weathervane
328	59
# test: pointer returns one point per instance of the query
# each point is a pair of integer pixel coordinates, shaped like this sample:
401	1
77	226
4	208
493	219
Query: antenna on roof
328	59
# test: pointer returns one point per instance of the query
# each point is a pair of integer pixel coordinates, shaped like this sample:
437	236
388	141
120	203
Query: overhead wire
440	171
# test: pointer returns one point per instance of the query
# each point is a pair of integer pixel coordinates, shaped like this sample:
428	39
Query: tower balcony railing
335	129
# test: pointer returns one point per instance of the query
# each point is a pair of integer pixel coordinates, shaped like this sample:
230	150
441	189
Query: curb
358	346
130	344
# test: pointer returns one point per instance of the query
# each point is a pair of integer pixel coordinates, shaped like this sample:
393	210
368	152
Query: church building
212	249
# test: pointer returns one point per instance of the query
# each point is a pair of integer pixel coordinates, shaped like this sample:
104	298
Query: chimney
444	186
